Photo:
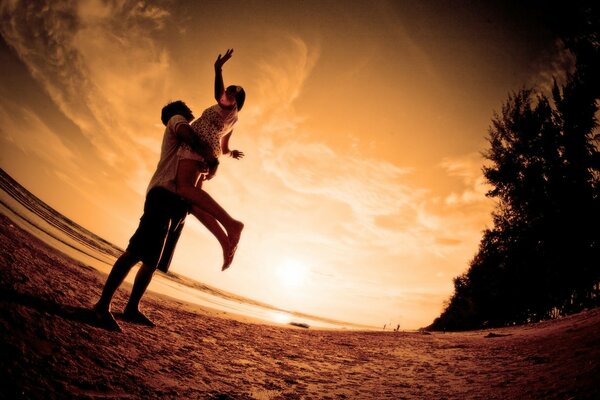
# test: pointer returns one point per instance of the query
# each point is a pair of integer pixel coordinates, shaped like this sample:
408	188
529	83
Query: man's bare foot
137	317
105	319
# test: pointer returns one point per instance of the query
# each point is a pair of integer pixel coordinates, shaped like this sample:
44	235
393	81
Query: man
154	241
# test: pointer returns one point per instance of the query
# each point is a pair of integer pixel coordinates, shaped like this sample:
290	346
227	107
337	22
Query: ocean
32	214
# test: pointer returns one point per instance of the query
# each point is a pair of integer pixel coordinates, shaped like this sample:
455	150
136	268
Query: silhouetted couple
189	155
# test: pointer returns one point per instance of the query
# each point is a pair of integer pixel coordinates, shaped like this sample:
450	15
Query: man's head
175	108
238	93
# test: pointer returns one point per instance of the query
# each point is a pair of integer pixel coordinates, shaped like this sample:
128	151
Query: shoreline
103	262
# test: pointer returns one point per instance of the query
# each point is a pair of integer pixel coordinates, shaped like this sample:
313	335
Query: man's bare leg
115	278
132	311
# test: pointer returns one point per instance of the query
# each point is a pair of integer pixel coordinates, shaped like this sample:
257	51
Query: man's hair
240	97
175	108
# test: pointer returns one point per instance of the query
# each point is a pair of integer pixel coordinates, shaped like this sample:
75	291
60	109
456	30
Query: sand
49	350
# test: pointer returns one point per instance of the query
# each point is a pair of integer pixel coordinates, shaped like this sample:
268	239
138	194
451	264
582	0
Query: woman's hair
175	108
240	96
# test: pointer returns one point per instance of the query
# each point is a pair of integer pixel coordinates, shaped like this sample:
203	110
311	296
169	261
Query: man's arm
186	134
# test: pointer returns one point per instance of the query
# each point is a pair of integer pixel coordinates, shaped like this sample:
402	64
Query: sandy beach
51	350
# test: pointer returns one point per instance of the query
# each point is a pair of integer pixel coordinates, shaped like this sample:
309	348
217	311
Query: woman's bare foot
234	233
227	260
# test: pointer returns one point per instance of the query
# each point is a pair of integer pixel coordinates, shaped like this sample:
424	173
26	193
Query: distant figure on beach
188	156
214	127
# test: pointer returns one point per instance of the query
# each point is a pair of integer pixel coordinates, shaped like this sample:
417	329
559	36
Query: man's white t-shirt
166	170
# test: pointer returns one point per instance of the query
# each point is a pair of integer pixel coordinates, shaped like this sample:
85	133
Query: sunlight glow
350	198
292	273
281	317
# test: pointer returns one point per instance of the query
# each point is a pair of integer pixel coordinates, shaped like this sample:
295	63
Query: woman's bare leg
207	210
215	228
187	179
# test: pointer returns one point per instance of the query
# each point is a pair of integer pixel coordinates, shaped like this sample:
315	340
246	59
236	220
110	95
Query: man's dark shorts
155	238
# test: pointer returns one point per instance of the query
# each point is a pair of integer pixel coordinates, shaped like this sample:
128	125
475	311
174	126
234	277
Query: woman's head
238	93
175	108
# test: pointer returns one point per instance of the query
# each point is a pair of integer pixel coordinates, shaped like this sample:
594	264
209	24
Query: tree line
541	258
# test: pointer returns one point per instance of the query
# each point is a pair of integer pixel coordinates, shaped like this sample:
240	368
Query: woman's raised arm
219	85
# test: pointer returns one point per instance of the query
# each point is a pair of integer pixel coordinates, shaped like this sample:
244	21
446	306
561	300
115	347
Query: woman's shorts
164	212
185	153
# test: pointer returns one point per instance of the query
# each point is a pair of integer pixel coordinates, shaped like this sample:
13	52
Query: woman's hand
237	154
211	172
222	60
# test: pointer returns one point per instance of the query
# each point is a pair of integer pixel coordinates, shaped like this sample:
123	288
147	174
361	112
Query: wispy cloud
552	66
469	170
282	75
371	228
26	131
363	229
100	65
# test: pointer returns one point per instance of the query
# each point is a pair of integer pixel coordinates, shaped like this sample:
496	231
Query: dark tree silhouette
541	259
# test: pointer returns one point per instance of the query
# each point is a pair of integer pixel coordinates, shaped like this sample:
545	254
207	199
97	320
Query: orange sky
361	189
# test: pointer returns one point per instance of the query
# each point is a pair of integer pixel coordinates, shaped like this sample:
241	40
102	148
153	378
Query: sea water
36	217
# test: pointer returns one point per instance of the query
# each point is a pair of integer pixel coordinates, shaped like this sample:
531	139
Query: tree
542	256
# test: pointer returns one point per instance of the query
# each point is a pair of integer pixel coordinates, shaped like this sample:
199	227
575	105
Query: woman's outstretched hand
222	60
237	154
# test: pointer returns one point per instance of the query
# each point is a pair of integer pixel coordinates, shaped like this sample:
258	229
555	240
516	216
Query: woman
214	127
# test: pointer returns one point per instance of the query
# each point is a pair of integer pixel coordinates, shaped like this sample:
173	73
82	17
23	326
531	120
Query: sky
364	125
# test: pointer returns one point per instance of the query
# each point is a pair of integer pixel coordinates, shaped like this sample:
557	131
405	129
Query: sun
281	317
292	273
